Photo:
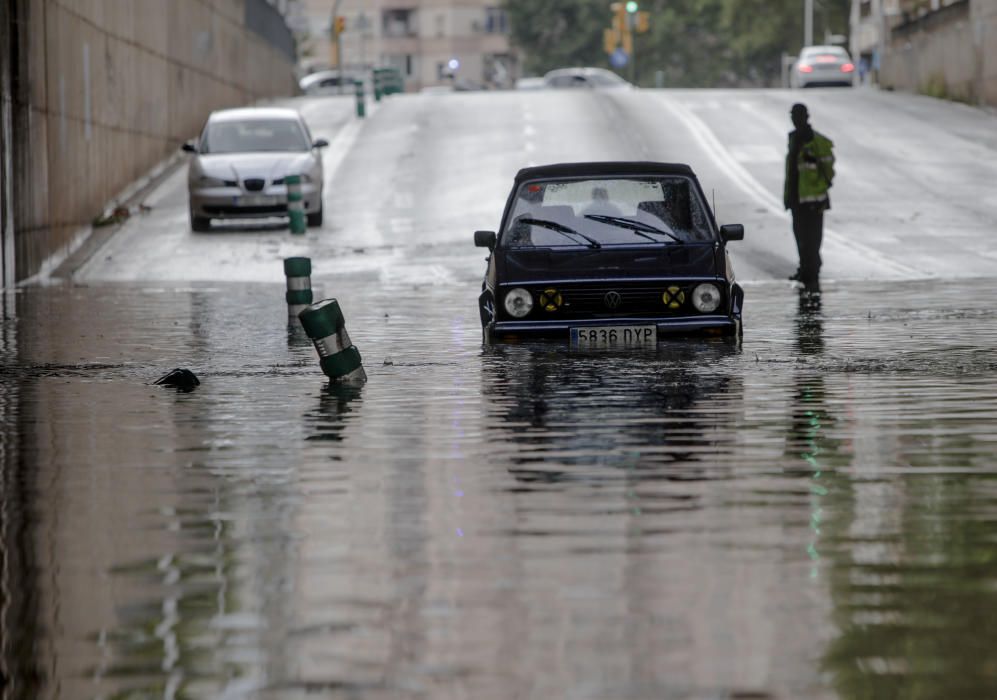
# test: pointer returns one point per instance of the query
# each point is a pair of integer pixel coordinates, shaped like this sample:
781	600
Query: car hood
239	166
542	264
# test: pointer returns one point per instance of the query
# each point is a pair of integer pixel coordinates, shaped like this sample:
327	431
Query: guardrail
387	81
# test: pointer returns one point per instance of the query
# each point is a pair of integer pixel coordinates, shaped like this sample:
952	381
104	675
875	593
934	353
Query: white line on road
743	179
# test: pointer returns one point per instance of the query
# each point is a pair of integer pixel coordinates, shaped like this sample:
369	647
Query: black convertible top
602	168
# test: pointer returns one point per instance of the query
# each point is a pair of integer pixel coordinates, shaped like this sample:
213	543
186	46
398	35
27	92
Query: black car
608	254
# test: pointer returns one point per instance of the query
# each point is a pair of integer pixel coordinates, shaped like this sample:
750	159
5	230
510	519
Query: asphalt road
408	185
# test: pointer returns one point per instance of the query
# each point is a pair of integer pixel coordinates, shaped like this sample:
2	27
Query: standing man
809	172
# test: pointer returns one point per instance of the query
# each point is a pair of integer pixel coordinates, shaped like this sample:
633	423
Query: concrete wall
984	19
950	53
112	87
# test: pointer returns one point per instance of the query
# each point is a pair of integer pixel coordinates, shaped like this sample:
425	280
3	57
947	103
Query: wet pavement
810	515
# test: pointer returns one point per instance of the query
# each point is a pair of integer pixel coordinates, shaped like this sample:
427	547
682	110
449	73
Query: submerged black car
608	254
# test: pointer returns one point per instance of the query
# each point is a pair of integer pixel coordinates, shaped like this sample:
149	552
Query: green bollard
299	284
325	325
378	88
295	205
361	105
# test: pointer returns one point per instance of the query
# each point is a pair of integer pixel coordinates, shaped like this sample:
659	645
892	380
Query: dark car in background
608	254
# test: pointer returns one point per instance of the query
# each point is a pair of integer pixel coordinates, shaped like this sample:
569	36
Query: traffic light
340	25
619	11
610	39
643	23
631	7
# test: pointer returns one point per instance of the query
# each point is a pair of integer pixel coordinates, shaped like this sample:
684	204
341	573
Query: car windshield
609	211
830	51
254	136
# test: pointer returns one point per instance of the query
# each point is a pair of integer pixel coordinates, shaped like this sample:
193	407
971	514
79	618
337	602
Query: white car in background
585	77
241	161
823	66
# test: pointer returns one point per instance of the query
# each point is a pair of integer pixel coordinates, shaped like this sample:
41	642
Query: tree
695	43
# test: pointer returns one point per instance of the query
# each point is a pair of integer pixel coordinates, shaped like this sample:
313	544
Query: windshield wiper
636	226
560	228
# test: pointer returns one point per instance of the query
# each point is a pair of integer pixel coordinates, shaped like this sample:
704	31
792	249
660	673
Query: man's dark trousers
808	228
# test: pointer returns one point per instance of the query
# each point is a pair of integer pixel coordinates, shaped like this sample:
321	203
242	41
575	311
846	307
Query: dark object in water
179	378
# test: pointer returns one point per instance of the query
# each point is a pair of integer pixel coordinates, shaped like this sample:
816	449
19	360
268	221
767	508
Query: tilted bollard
299	284
295	204
361	105
325	325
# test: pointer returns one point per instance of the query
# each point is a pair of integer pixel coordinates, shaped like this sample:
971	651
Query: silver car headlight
206	181
706	298
518	302
305	178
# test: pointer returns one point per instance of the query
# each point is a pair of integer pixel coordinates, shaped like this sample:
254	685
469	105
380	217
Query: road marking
717	152
756	154
339	147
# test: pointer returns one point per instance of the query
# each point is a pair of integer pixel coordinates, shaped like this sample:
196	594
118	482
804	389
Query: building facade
943	48
460	43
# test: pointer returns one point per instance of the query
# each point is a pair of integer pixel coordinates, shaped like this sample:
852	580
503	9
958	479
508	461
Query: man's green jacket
815	165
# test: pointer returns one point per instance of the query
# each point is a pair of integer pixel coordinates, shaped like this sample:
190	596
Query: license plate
615	337
254	200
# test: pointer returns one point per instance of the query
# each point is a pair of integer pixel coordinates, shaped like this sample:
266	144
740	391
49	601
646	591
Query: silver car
240	162
823	65
584	77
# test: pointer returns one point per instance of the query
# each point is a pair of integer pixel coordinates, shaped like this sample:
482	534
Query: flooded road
812	515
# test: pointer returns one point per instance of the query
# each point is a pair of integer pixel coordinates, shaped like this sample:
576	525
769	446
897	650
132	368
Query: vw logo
612	300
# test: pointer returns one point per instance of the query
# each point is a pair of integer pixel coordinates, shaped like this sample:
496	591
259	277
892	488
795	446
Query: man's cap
799	108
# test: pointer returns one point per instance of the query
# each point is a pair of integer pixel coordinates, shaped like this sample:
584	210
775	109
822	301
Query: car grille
228	210
601	301
254	184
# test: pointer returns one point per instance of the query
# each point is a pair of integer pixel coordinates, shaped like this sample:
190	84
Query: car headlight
305	178
207	181
518	302
706	298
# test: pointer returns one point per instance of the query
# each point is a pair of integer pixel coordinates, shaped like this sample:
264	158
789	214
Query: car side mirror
485	239
732	232
320	143
189	147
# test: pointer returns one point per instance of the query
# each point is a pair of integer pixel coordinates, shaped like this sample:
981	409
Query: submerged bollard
299	284
325	325
295	205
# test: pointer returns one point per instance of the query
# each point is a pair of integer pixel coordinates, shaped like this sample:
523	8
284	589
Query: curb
90	239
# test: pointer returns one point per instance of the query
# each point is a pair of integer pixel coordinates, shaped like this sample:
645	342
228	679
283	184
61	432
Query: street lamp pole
808	22
339	44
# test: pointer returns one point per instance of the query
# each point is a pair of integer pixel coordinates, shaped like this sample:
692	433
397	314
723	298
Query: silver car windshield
608	211
254	136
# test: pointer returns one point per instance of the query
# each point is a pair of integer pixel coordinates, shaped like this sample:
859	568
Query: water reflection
565	408
811	517
328	422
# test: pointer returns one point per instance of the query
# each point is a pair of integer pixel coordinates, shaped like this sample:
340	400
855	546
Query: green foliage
695	43
559	33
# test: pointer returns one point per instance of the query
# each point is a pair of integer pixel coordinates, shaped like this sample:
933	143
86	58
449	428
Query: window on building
496	21
398	23
441	25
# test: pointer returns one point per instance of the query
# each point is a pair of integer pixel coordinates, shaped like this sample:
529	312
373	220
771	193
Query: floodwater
812	515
